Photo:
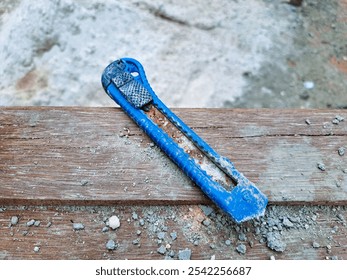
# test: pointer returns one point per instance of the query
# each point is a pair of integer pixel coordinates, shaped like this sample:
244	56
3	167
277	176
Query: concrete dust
257	53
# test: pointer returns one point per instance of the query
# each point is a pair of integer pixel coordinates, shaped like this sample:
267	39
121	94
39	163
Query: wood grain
98	156
57	240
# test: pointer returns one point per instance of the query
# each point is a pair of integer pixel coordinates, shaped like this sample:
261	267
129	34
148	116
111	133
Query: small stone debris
242	237
84	182
161	235
78	226
141	222
206	209
241	248
315	245
341	151
138	232
227	242
164	228
272	258
274	242
171	253
206	222
136	241
30	223
340	216
36	249
113	222
338	119
37	223
308	122
321	166
14	220
134	216
105	229
309	84
287	223
111	245
161	250
184	254
173	235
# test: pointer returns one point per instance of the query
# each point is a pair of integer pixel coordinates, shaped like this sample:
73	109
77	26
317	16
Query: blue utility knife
124	80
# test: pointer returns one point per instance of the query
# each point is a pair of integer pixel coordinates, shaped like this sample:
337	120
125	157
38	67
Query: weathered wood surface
98	156
56	238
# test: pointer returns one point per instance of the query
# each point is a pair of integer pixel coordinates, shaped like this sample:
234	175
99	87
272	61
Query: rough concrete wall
196	53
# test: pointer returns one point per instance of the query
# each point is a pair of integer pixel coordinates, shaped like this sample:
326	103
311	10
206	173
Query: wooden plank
60	241
98	156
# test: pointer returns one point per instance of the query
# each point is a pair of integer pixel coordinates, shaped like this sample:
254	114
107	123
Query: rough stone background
256	53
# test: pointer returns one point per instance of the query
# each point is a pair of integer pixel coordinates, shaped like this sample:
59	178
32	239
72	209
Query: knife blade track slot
189	148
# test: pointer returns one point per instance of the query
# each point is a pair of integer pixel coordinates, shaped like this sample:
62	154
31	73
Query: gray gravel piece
134	216
227	242
105	229
341	151
321	166
142	222
173	235
136	241
78	226
161	250
184	254
242	237
206	222
241	248
30	223
339	118
315	245
84	182
206	209
161	235
287	223
37	223
335	121
14	220
274	242
36	249
111	245
340	216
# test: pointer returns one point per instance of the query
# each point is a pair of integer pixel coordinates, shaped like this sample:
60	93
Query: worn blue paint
244	202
